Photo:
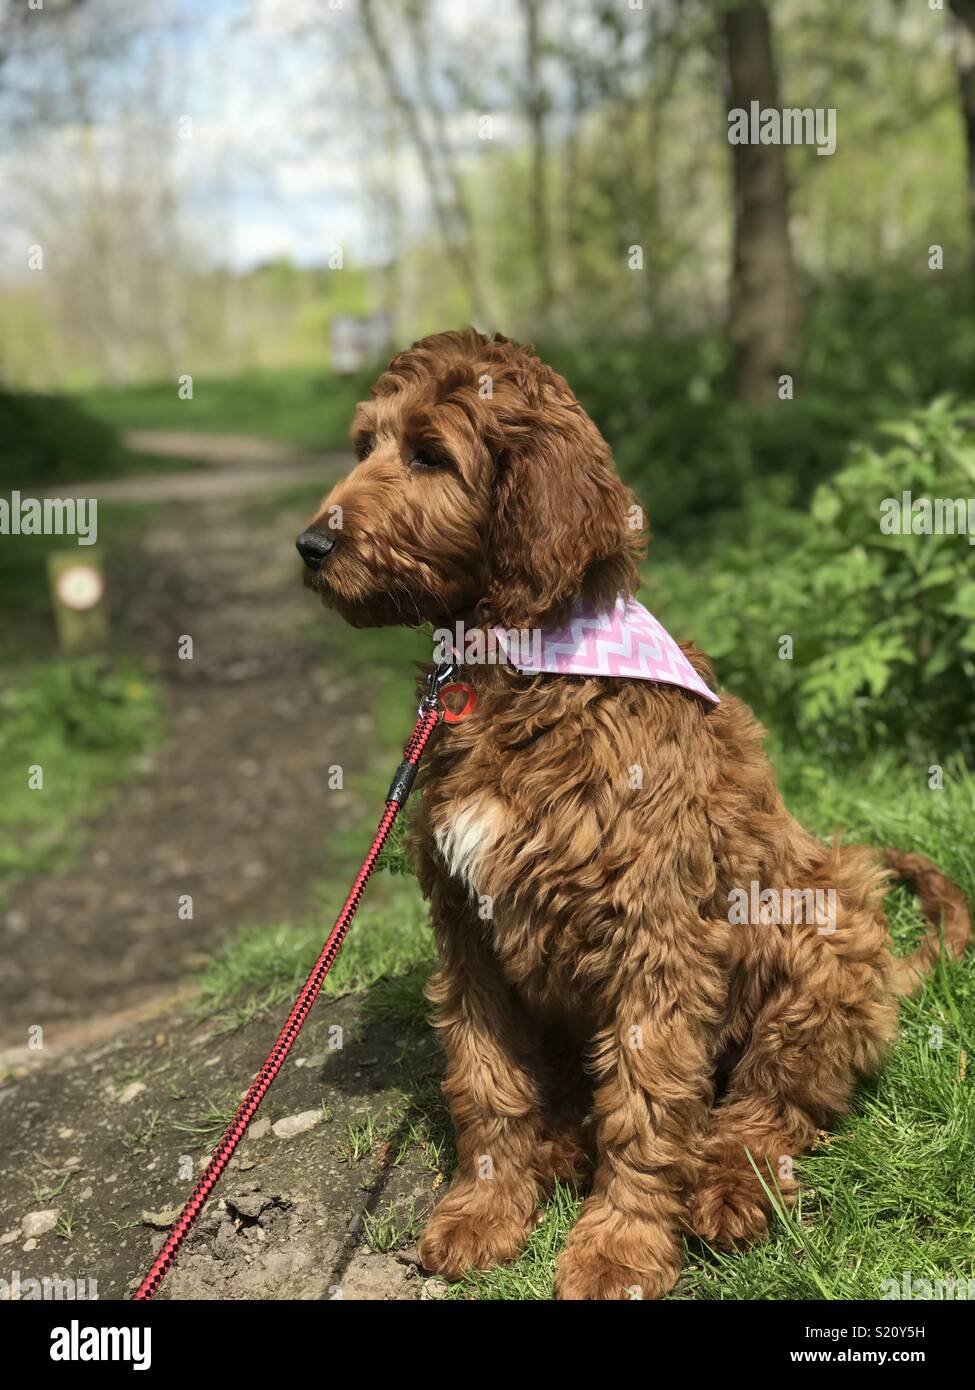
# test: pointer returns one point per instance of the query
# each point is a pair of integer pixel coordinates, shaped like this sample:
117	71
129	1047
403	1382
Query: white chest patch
467	838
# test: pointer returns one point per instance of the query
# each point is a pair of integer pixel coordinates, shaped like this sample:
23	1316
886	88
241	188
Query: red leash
402	783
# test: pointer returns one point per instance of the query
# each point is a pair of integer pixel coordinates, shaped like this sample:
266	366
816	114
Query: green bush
689	450
883	642
871	350
48	440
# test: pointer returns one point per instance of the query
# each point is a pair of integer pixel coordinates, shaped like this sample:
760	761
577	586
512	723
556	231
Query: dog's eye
429	458
364	448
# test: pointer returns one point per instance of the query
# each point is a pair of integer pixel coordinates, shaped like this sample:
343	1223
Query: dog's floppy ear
563	522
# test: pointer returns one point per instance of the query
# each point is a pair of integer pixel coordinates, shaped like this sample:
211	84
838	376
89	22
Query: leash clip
439	677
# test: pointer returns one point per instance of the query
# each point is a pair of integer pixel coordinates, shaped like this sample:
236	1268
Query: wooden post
78	595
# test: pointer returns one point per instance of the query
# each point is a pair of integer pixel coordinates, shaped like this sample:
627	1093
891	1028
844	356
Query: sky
284	139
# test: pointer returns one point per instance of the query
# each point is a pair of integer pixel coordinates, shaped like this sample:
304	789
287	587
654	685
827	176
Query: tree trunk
535	108
765	307
449	208
964	12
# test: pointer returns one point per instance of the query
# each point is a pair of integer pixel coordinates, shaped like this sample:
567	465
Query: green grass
140	1140
209	1124
41	1196
70	732
307	407
65	1227
414	1122
397	1224
262	967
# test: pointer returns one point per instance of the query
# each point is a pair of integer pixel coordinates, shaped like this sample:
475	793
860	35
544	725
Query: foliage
690	451
881	625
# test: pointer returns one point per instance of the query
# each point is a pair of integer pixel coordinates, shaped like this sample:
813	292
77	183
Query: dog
606	1020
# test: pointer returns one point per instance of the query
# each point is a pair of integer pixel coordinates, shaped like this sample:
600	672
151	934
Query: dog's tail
943	904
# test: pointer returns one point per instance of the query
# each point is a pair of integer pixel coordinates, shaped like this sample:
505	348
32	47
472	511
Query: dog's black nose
315	547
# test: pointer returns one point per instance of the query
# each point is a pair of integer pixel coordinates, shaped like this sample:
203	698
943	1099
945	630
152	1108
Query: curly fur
603	1018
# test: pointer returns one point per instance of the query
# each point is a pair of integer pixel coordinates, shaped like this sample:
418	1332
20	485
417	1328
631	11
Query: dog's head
482	487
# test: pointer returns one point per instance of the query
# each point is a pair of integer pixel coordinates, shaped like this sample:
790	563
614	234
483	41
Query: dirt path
99	1142
232	466
231	811
219	450
322	1201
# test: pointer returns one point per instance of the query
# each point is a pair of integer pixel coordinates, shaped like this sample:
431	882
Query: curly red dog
606	1020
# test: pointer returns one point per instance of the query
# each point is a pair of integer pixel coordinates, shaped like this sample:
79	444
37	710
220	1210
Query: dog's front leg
495	1103
652	1067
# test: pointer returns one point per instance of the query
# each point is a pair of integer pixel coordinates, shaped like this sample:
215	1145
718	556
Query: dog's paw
474	1227
729	1207
609	1258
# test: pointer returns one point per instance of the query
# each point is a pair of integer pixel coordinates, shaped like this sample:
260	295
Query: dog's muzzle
315	547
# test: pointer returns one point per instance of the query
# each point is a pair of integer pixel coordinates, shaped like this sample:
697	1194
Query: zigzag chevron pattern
626	642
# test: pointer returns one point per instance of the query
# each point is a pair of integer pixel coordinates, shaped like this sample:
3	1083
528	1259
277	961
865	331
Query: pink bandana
628	641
